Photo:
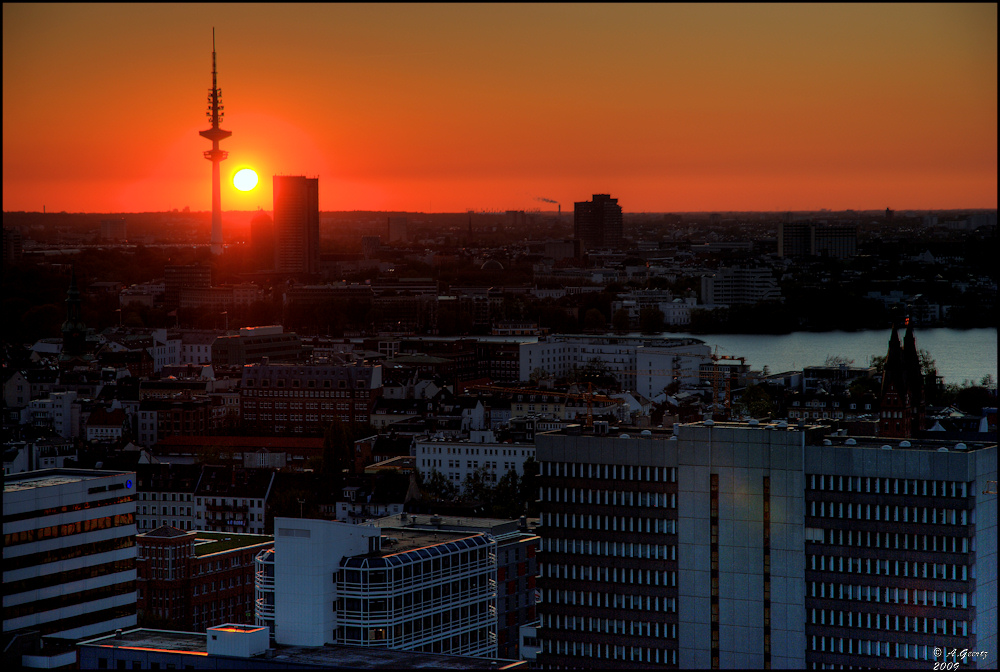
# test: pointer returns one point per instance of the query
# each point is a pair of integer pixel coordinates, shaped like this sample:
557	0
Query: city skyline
448	108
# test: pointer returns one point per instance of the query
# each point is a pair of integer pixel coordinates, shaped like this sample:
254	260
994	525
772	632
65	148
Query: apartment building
457	460
275	398
739	285
641	363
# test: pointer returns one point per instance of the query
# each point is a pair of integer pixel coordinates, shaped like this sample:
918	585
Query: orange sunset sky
450	107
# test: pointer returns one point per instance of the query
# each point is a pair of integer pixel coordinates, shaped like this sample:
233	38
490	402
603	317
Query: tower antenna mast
215	155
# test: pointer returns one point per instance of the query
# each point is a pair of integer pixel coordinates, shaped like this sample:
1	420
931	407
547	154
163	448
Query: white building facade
633	360
457	460
422	591
69	552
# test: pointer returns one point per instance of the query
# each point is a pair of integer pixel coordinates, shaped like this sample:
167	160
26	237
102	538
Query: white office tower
69	552
416	590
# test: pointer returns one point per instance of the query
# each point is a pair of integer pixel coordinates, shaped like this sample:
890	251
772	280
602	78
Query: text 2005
946	666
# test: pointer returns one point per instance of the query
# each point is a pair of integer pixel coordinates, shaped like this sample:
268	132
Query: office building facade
69	552
296	224
748	545
416	590
597	224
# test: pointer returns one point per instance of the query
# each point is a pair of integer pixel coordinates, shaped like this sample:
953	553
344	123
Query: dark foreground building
751	545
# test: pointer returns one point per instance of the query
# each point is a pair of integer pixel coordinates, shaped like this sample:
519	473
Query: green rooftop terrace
206	543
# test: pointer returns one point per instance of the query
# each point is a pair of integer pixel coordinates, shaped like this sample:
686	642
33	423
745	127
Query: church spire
911	363
74	331
894	374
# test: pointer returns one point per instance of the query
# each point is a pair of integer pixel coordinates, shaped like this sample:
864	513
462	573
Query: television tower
215	155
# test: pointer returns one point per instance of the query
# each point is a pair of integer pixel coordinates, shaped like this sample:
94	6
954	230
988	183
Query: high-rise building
736	285
13	244
802	239
178	278
794	238
762	545
296	224
262	241
396	229
597	224
113	229
69	552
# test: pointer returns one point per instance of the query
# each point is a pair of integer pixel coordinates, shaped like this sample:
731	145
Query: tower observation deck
215	155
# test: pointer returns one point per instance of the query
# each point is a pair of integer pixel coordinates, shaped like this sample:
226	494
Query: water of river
960	354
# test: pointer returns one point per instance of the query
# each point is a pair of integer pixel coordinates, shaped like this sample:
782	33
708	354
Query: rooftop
328	656
47	478
206	543
817	436
404	540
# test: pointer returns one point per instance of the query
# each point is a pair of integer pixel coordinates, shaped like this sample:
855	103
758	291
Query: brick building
194	580
278	398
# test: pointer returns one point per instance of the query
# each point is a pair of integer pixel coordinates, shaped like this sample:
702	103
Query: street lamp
301	502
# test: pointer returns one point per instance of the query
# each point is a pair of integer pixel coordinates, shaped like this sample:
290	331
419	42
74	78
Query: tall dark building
178	278
597	224
801	239
262	241
296	224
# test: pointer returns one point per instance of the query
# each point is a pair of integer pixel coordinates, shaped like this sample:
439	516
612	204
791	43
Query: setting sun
245	179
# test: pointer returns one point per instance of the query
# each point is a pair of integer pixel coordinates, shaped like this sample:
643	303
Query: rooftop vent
850	442
753	422
961	446
827	442
904	444
887	447
942	449
709	423
436	520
